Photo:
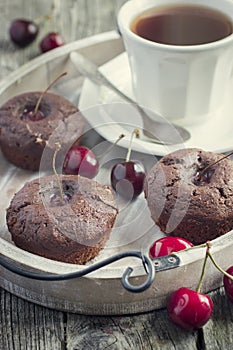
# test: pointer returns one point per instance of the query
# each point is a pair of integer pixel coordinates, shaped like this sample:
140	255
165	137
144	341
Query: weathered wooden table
24	325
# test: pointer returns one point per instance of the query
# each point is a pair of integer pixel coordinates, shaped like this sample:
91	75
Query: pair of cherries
127	178
187	308
23	32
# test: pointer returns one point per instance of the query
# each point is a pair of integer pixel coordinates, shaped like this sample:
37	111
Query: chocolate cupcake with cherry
62	217
26	123
190	194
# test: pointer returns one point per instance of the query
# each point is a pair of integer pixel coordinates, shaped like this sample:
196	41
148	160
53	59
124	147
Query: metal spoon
167	133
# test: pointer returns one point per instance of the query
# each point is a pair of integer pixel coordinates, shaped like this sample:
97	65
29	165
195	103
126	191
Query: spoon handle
91	71
151	127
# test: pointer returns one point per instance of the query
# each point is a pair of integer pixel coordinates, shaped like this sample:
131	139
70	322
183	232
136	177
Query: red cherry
127	178
189	309
22	32
81	160
228	284
202	178
51	41
168	245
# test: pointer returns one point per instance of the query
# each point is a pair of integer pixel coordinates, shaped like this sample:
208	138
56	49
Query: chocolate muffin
72	228
24	133
187	202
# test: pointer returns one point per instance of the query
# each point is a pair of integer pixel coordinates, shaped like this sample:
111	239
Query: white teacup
182	82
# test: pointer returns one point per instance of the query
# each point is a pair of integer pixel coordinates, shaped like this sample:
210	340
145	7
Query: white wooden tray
101	292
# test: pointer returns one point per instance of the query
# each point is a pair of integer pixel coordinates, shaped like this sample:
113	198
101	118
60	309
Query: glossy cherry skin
128	178
189	309
51	41
80	160
23	32
228	284
202	179
167	245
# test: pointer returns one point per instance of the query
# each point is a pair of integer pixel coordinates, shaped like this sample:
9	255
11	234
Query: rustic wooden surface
27	326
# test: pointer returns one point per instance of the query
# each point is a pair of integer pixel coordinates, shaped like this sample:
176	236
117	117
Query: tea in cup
180	55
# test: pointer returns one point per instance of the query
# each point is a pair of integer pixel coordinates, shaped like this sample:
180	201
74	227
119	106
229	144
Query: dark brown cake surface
185	204
22	140
71	230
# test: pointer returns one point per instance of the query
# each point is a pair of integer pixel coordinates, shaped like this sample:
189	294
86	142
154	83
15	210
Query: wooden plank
72	19
218	332
28	326
139	332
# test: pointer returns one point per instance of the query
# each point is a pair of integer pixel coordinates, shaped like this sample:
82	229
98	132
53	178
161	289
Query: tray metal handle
150	265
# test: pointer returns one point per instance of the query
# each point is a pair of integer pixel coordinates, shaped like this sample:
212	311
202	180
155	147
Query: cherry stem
137	134
40	19
203	245
208	245
212	164
58	146
46	18
44	92
111	147
211	258
218	267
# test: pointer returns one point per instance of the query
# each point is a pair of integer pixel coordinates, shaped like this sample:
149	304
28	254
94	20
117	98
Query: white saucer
214	135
